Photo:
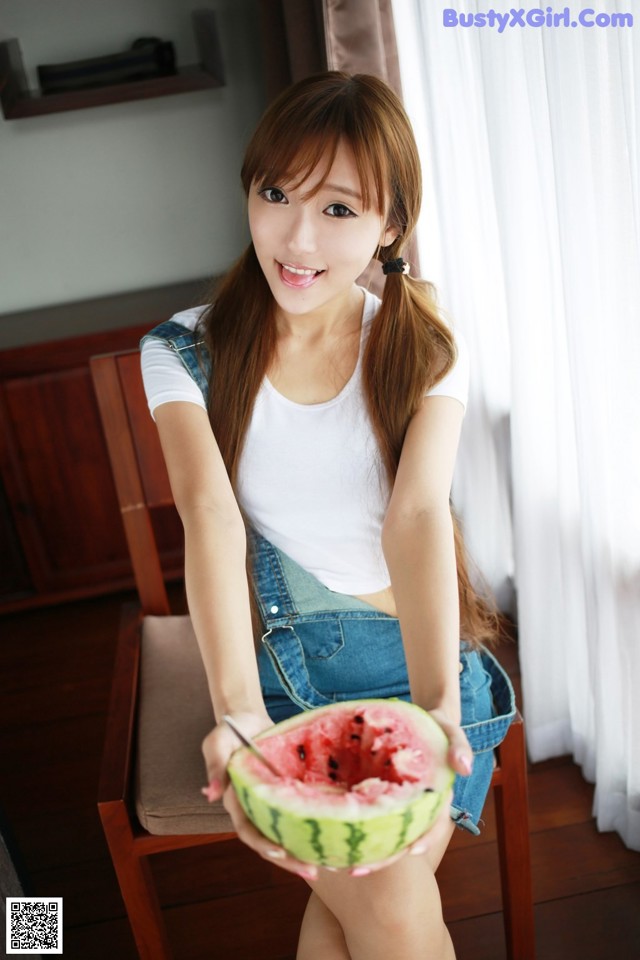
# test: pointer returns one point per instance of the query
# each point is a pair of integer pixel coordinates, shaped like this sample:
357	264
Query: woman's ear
389	236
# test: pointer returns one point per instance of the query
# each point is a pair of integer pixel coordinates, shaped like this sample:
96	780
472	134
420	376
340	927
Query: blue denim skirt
320	647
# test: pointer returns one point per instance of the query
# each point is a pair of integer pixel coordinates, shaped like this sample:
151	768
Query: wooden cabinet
60	528
57	477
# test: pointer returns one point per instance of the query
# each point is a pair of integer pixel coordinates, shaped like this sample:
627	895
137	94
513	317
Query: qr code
34	925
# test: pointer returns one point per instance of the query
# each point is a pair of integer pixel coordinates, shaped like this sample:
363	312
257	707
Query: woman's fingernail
308	874
465	763
359	871
276	853
213	791
417	850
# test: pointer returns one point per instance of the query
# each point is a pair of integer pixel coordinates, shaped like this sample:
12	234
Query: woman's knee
393	901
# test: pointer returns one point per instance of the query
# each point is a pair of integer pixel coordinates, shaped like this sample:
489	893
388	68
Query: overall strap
192	352
272	594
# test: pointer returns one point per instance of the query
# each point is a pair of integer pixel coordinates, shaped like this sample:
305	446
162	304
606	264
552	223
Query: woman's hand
217	748
460	759
460	754
221	742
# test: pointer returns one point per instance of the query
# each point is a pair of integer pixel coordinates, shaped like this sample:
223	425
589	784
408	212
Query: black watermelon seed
333	763
333	776
428	789
358	718
387	763
388	730
356	736
301	752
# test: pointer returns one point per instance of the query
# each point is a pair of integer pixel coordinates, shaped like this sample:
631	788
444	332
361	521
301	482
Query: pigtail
239	332
240	335
408	351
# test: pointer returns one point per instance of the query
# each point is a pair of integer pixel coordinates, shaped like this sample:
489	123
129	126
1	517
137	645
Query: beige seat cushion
174	716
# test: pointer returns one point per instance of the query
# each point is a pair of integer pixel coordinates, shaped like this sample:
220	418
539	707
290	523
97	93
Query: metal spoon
251	745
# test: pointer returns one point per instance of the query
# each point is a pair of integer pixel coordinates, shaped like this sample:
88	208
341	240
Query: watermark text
535	17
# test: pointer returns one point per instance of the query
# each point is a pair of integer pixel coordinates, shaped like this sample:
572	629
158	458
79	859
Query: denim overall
320	647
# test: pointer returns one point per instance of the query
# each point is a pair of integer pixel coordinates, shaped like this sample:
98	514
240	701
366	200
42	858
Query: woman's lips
298	276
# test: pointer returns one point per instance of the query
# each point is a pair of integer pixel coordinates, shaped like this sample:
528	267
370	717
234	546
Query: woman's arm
418	544
218	595
215	550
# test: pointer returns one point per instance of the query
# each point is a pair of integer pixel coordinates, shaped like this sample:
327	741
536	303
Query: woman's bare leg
321	935
395	912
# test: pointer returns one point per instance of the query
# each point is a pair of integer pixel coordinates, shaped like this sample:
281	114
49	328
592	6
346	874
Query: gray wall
126	196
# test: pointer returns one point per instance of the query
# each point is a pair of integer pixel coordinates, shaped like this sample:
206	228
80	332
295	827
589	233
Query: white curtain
531	229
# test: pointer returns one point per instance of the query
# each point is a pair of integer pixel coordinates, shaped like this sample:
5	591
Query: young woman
301	415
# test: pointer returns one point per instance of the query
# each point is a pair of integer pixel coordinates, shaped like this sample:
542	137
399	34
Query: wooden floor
225	904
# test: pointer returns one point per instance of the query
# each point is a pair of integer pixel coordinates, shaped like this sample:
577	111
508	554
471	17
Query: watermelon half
360	781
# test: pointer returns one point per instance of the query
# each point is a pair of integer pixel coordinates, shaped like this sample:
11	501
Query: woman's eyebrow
339	188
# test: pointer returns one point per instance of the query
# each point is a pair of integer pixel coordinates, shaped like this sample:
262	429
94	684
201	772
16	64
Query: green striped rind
325	836
340	843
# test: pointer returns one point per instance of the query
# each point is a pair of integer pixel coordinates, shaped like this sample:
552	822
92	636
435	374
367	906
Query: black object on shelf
147	57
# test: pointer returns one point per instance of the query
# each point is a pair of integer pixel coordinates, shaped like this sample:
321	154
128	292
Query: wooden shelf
18	101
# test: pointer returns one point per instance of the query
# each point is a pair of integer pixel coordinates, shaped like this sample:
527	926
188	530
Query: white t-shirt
310	477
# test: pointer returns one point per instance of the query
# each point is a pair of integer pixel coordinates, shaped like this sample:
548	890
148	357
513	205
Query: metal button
274	609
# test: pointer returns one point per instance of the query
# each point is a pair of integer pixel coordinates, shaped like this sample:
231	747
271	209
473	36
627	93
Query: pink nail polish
359	871
416	851
465	763
213	791
276	853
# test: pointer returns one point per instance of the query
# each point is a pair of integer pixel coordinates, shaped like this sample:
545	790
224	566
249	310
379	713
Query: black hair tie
395	266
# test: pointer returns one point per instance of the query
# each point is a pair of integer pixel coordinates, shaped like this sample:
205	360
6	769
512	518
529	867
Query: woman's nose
302	236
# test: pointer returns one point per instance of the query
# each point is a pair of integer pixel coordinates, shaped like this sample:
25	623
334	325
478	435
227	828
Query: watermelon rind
328	827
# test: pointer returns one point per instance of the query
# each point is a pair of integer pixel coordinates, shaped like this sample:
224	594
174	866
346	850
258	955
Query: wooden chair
157	660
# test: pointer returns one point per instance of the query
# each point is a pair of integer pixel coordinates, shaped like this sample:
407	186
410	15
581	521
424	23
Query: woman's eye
273	195
339	210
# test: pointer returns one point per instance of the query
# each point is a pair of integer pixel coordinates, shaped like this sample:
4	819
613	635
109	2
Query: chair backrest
138	468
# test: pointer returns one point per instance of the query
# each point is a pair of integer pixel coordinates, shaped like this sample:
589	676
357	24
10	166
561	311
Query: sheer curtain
531	229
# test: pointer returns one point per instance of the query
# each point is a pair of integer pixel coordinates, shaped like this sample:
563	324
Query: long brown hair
409	348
